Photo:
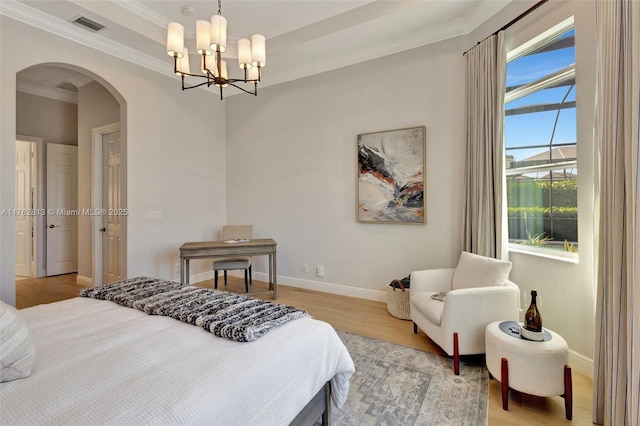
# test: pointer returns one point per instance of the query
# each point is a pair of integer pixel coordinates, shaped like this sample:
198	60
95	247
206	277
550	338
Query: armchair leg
504	383
246	281
568	393
415	328
215	279
225	277
250	275
456	355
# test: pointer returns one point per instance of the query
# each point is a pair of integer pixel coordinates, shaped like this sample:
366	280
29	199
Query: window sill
544	252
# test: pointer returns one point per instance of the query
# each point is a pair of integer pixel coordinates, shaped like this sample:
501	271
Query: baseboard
342	290
202	276
581	363
85	281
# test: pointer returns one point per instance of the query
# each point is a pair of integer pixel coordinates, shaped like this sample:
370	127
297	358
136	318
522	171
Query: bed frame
319	406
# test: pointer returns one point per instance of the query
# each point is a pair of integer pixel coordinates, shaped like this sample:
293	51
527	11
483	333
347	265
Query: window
541	142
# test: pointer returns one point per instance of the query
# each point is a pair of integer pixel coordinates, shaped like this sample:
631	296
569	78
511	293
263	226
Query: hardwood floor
367	318
36	291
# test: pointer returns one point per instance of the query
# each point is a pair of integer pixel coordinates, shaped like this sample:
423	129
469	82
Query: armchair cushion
429	307
479	271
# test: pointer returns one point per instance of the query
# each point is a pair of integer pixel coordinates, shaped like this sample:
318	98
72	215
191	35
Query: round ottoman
536	368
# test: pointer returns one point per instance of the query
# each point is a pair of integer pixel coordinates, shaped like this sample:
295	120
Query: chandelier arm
207	83
255	93
241	80
194	75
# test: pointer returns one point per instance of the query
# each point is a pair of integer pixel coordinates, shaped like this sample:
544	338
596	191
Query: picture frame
391	176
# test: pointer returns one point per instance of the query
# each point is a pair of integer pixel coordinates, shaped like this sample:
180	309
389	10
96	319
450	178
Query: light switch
154	214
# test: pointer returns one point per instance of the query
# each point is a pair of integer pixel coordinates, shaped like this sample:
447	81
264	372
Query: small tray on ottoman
536	336
515	329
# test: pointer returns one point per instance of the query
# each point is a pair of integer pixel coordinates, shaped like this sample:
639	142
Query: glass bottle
532	318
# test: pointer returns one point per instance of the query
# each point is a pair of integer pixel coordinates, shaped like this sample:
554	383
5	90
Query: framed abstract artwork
391	176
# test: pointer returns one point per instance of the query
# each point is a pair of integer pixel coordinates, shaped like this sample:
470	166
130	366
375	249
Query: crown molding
30	16
47	92
143	11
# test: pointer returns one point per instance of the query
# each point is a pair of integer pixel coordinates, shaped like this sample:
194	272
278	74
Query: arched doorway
48	96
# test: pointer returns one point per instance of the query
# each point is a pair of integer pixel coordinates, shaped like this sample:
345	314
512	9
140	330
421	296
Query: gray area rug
396	385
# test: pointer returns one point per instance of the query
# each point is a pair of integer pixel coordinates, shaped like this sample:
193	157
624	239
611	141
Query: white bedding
98	363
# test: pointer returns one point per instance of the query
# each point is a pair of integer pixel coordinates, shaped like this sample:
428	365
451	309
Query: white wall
50	119
96	107
174	151
291	168
291	162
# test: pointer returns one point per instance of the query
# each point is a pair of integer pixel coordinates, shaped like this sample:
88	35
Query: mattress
99	363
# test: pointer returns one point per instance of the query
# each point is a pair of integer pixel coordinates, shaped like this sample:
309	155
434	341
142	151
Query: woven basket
398	302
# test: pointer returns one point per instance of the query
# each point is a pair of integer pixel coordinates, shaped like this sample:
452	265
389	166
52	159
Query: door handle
53	226
103	229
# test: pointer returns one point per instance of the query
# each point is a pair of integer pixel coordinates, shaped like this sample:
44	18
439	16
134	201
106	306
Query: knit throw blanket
235	317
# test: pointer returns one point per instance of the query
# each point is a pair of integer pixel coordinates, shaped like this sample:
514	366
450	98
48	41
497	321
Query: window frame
564	74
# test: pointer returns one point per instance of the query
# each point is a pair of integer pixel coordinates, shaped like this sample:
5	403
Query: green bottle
532	318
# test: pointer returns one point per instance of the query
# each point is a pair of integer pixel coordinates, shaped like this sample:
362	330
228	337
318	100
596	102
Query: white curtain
484	205
616	387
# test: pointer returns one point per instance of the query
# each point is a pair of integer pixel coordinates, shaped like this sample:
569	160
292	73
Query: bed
99	363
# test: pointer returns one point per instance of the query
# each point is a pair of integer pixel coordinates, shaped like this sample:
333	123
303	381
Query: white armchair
477	293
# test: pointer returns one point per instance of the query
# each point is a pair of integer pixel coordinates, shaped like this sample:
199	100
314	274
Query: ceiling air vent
67	86
88	24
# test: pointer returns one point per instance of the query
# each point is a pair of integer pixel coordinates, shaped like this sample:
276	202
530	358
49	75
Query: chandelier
211	42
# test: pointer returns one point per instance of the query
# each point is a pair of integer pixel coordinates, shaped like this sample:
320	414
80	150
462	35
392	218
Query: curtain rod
511	22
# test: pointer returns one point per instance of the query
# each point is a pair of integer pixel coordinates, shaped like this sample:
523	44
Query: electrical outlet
177	267
305	267
320	271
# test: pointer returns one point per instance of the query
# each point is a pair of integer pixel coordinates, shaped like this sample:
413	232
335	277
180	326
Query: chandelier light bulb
258	51
175	39
203	37
218	33
244	53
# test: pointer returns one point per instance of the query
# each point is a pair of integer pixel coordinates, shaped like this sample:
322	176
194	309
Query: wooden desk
212	249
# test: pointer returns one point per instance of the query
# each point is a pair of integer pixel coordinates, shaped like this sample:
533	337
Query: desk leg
273	286
185	271
275	278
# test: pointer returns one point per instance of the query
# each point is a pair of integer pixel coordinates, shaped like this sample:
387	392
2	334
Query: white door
24	206
62	209
111	202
